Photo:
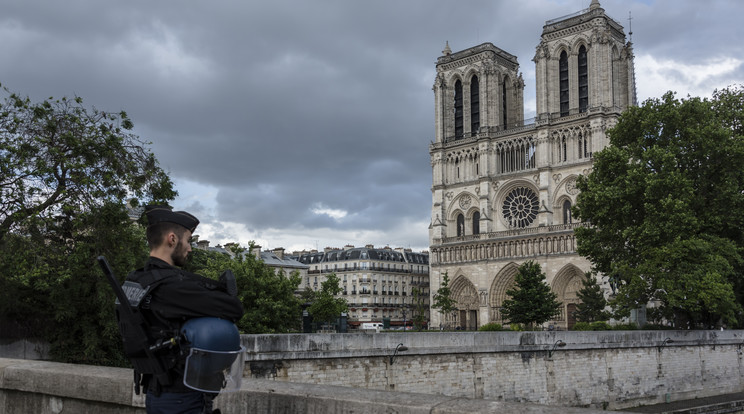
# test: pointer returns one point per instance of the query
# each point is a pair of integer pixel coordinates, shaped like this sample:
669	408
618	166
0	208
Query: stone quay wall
43	387
603	370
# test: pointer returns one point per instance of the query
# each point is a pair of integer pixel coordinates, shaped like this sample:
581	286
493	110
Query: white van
371	326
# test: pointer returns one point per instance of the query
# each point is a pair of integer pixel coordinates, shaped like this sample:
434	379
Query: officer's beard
179	255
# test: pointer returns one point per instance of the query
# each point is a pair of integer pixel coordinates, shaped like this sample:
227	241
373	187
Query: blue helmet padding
212	334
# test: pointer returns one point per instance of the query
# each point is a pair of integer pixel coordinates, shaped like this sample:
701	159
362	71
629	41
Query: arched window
458	110
567	212
563	148
476	223
581	147
563	78
474	105
583	80
460	225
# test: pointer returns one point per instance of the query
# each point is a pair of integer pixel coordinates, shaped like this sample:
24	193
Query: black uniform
176	297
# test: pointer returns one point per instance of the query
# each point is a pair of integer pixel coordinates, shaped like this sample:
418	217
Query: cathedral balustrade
511	244
492	132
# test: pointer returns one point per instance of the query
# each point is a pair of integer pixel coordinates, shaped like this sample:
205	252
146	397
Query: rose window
520	207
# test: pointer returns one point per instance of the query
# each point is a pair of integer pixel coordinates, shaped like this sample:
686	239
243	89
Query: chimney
279	252
202	244
256	250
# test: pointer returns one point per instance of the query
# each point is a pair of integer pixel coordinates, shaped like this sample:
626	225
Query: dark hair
157	232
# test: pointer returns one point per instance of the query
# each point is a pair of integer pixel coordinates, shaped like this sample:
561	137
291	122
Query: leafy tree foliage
65	171
326	307
419	309
268	298
593	302
666	205
531	302
59	158
443	299
52	289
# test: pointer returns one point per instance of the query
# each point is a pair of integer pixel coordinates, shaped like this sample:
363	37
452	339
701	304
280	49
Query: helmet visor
212	371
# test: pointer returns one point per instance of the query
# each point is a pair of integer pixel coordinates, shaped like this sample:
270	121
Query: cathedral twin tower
503	186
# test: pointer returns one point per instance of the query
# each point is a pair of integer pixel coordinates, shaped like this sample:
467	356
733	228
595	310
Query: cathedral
503	186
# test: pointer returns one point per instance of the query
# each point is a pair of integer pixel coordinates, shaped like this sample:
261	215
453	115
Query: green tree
59	158
326	307
443	300
268	298
593	302
666	205
52	289
65	171
419	309
531	302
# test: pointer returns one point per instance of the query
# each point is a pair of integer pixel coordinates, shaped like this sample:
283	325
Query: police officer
176	296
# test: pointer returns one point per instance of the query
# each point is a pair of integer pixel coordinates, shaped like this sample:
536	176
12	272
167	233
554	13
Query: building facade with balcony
503	187
376	282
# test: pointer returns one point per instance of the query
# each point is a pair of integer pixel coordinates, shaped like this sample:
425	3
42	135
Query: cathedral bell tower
502	187
583	65
477	92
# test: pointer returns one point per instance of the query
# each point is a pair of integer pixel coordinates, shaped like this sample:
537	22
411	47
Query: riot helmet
215	356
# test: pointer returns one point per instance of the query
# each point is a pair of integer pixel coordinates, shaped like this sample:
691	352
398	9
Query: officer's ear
171	238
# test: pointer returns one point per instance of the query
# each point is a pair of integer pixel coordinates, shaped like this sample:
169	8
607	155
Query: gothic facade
503	186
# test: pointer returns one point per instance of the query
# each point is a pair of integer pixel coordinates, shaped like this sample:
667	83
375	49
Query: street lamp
663	344
398	348
557	343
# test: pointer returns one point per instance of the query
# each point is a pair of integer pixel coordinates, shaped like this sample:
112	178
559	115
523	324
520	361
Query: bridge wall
593	369
480	371
43	387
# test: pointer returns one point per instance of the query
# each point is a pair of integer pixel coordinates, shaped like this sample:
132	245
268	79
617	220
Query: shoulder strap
154	277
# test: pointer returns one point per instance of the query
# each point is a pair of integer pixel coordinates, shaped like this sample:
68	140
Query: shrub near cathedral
531	302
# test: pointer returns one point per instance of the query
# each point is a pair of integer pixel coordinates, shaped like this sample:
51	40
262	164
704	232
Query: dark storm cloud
304	115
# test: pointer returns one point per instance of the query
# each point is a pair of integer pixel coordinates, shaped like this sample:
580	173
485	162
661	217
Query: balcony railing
510	233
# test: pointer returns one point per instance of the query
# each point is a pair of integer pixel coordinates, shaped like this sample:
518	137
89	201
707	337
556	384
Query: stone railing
612	369
457	372
42	387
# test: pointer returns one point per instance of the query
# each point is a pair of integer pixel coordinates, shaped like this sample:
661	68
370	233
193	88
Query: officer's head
169	233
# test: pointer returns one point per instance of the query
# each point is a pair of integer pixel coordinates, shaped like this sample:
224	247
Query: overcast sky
306	123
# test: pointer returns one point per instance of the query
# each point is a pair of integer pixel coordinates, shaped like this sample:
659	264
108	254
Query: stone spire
447	51
594	5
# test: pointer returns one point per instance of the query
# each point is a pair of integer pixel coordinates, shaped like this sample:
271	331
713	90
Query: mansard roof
364	253
271	259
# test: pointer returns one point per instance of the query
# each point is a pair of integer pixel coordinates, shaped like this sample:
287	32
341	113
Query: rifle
132	326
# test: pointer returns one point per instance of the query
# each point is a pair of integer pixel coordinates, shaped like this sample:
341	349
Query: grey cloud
287	105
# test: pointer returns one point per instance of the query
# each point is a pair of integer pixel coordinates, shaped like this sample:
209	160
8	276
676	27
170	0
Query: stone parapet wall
502	372
593	369
42	387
